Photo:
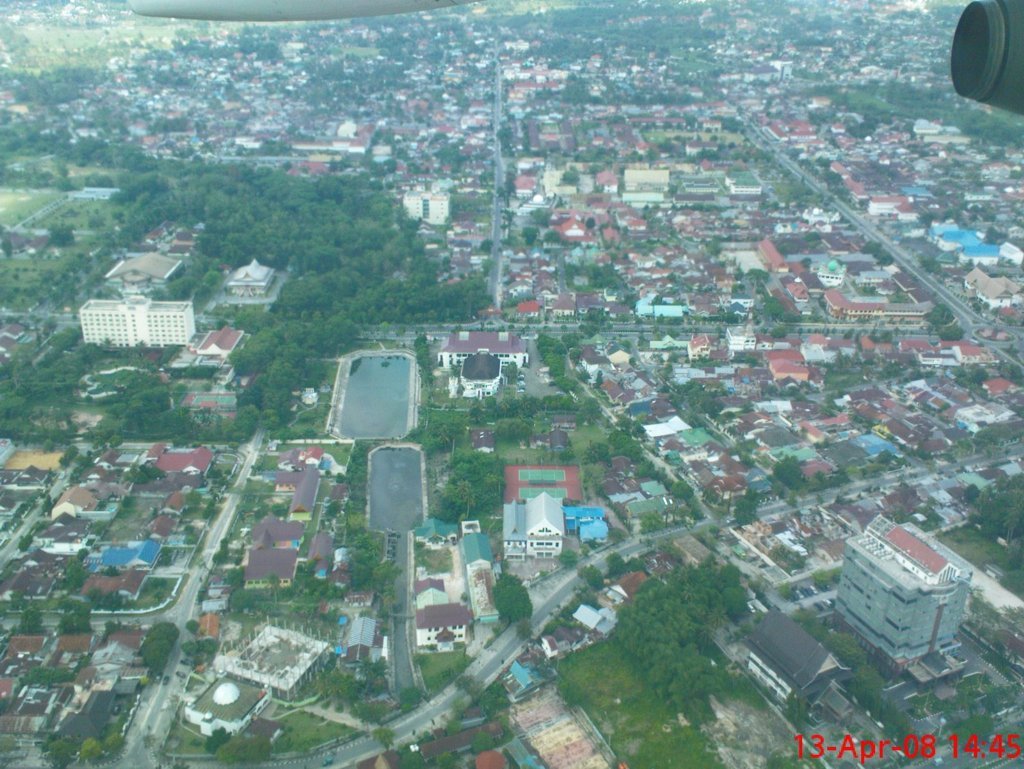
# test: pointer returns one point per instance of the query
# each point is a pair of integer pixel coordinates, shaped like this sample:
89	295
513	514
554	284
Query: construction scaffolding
278	659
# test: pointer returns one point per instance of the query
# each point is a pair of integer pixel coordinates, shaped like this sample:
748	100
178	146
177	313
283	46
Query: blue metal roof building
139	554
576	515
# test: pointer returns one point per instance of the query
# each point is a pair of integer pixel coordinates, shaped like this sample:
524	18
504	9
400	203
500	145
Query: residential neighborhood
549	386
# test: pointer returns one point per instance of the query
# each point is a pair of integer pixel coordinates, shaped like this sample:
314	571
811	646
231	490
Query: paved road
969	320
157	705
39	510
495	278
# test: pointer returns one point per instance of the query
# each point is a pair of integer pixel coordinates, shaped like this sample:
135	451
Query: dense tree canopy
512	599
474	486
999	513
158	645
351	259
668	634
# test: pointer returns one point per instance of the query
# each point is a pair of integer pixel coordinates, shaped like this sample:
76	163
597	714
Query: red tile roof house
529	309
219	344
128	584
298	460
189	461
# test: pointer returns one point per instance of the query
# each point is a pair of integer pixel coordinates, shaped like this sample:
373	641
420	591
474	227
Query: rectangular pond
378	400
396	488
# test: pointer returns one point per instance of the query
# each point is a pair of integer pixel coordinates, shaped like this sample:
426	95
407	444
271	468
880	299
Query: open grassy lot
975	547
661	134
640	729
434	561
15	205
154	592
441	669
39	47
357	51
303	731
182	739
579	439
309	422
24	282
130	522
93	215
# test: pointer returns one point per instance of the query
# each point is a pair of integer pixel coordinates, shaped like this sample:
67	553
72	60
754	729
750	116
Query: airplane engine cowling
987	61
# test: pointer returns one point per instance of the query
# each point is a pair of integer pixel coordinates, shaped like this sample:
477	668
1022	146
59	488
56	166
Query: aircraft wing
283	10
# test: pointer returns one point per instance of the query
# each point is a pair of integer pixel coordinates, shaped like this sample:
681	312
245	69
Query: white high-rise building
137	321
431	207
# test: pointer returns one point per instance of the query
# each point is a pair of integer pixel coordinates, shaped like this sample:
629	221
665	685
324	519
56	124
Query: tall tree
511	599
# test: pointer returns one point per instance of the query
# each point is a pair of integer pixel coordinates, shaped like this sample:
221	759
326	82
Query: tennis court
533	474
222	402
529	481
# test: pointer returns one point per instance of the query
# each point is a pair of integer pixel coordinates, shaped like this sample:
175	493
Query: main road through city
497	206
969	320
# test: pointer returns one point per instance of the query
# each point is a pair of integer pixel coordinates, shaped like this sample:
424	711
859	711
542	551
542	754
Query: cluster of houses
69	685
155	484
767	394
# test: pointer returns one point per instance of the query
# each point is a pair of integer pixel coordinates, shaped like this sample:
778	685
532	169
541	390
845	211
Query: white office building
137	321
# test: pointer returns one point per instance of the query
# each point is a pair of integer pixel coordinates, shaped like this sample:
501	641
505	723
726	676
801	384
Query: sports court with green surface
529	481
221	403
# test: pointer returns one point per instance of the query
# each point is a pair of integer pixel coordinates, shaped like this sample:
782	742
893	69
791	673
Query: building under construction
280	660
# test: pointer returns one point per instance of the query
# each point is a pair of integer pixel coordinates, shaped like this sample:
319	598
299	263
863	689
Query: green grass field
975	547
23	282
357	51
15	205
303	731
154	592
185	740
434	561
441	669
92	215
640	729
38	47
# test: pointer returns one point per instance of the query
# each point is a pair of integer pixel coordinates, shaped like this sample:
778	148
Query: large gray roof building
902	592
785	658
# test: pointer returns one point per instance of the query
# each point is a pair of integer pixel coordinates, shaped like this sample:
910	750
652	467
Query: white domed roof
226	693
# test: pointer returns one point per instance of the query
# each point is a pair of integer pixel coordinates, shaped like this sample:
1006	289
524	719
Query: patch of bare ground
745	736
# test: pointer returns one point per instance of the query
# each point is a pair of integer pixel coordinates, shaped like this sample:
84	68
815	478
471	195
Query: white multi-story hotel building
137	321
